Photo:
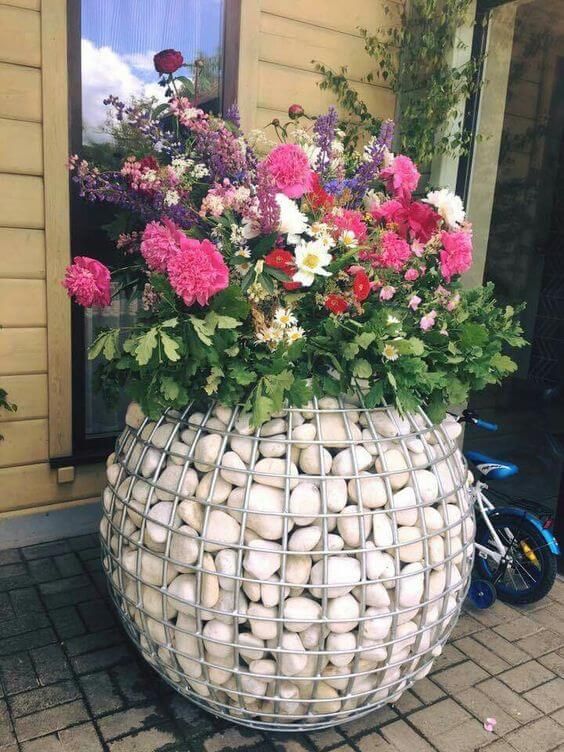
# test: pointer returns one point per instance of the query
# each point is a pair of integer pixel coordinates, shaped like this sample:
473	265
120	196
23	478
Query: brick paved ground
71	682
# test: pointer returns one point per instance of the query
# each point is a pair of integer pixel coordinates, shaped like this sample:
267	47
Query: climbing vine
6	405
412	58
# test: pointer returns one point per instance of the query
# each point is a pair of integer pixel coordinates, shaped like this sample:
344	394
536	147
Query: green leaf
300	392
350	350
262	409
170	347
213	380
202	330
457	391
145	345
365	339
362	369
107	343
170	388
416	346
242	375
232	302
503	363
169	323
373	398
214	320
264	244
473	335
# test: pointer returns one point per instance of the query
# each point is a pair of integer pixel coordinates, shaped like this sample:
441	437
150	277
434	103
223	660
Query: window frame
80	448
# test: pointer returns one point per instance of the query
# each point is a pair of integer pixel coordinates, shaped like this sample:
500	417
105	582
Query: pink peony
387	292
428	321
401	177
411	275
197	271
160	241
290	169
395	251
456	255
414	302
410	217
88	282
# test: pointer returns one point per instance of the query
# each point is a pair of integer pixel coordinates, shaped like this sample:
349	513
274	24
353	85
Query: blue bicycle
515	553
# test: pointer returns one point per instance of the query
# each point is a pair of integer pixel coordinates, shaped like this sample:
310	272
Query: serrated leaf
374	396
169	323
362	369
214	320
365	339
145	346
503	363
262	409
170	389
416	346
170	347
202	330
350	350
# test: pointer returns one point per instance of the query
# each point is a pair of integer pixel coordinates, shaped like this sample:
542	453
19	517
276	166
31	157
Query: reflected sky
119	39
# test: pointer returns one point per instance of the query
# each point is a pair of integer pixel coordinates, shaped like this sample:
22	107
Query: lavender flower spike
266	195
386	135
233	115
324	130
374	156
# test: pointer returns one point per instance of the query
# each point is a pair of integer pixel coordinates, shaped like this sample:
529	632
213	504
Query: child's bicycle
515	553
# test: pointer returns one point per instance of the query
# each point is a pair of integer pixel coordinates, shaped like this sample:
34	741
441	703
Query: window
111	48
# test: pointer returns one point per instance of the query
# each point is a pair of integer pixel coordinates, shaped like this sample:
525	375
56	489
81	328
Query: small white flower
448	205
250	228
348	239
150	176
171	198
389	157
311	258
391	320
284	317
371	200
390	352
292	222
294	333
243	252
200	171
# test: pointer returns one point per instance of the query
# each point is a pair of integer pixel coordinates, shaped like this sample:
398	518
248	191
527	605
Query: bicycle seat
489	467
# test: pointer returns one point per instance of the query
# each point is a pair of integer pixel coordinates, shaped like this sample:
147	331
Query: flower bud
295	111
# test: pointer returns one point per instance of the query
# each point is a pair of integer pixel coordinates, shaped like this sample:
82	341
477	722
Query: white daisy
292	222
284	317
294	333
311	258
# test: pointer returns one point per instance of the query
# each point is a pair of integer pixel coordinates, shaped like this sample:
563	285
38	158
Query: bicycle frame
484	506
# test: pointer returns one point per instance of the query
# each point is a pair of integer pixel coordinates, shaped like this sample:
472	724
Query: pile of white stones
295	575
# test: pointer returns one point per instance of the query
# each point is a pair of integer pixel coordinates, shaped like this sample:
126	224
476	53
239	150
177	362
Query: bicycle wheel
481	594
531	569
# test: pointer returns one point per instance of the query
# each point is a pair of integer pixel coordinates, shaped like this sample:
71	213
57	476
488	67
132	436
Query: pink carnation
456	255
411	275
414	302
401	177
290	169
88	282
410	217
344	220
387	292
197	271
395	251
428	321
160	241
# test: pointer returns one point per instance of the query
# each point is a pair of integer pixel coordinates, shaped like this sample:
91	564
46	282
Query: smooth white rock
218	630
178	453
451	516
252	590
349	524
251	647
265	506
243	447
298	569
369	443
266	627
427	485
231	467
411	545
335	493
304	539
223	413
207	451
312	458
182	594
341	641
382	530
405	508
210	583
221	489
433	519
344	461
343	613
264	666
334	544
375	561
436	549
162	434
394	463
411	585
158	517
151	461
415	445
187	645
169	485
187	436
141	492
156	603
270	591
305	499
243	424
226	564
215	424
327	700
300	612
333	676
221	528
263	558
382	423
220	675
343	573
253	685
372	650
303	435
273	447
192	514
233	603
291	663
375	595
134	415
273	427
333	430
113	474
271	471
311	636
372	490
378	624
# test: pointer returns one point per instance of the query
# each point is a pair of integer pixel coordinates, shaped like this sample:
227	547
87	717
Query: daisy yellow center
311	260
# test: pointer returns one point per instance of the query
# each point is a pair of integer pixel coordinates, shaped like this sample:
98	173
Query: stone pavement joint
70	680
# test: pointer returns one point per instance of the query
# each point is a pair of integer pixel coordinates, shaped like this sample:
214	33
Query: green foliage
411	57
11	407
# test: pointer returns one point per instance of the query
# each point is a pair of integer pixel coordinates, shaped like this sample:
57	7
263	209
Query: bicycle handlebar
485	424
471	416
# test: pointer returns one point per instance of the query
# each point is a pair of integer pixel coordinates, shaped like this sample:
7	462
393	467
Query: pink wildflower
456	255
414	302
453	302
395	251
387	292
401	177
428	321
197	271
88	282
160	241
290	169
411	275
343	220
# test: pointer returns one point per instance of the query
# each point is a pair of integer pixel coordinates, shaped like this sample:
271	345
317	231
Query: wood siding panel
20	92
21	201
40	487
341	16
23	351
22	302
21	149
280	86
25	442
30	4
20	32
22	253
29	392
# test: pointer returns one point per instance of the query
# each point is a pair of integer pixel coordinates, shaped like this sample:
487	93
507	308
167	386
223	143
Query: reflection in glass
118	41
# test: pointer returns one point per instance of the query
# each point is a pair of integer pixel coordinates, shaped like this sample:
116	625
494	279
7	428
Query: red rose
295	111
336	303
279	258
168	61
361	286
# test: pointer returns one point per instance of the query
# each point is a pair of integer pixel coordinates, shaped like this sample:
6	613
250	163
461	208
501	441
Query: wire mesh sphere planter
292	577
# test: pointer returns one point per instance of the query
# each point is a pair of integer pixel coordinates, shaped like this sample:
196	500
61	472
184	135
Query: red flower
291	285
279	258
295	111
168	61
361	286
336	303
318	197
148	163
409	216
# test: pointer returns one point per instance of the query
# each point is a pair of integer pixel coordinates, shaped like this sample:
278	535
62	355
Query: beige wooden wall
276	69
26	480
279	38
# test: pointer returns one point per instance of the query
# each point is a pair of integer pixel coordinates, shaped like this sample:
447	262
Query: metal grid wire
329	624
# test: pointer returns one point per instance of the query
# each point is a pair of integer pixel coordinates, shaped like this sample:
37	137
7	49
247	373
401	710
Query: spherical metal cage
292	577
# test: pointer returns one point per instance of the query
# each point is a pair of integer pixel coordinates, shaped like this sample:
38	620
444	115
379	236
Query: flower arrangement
268	278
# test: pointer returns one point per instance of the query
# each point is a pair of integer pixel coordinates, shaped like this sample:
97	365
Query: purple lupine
324	134
375	152
266	195
221	151
233	115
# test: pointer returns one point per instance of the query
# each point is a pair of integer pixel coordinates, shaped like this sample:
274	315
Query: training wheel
481	593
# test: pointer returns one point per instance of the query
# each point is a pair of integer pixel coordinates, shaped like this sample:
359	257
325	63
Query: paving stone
427	691
41	550
499	613
88	643
81	542
90	554
51	720
25	601
100	693
45	697
10	556
6	609
7	735
404	738
17	673
510	701
460	677
445	715
550	618
327	739
135	684
407	703
96	615
128	721
146	741
540	736
559	716
466	625
67	622
51	664
43	571
232	738
68	565
80	739
526	676
509	651
553	661
541	643
466	737
482	655
373	742
482	707
100	659
27	641
548	697
44	744
368	722
499	746
516	629
22	623
449	657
